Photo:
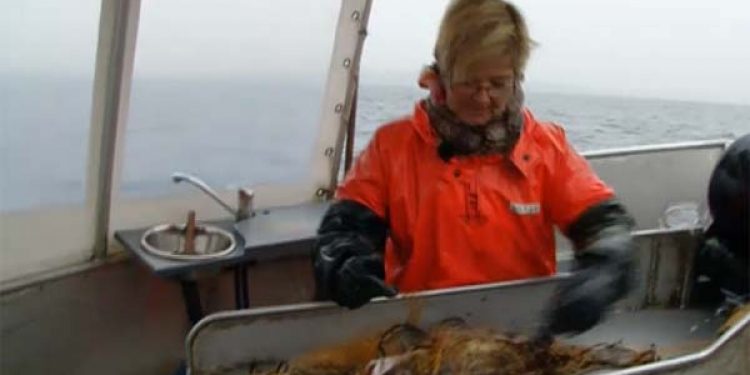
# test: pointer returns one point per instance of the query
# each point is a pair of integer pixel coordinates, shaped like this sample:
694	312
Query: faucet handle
244	203
189	247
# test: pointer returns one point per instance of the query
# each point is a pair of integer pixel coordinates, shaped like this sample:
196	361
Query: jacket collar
522	157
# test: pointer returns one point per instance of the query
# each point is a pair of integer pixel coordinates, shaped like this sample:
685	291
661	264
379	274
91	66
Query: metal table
269	234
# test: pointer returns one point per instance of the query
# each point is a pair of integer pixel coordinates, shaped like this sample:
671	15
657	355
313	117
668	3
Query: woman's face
484	93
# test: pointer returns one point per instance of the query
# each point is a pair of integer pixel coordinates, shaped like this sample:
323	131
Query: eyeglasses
496	88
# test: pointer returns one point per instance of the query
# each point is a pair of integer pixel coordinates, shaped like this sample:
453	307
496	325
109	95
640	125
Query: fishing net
452	347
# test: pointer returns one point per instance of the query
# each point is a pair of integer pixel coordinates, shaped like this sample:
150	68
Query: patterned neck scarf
498	136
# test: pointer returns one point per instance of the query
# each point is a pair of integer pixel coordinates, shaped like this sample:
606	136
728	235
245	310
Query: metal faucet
244	196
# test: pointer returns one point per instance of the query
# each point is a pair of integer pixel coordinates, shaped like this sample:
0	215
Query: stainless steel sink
169	240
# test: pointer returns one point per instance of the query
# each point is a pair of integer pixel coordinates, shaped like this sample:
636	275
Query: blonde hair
475	29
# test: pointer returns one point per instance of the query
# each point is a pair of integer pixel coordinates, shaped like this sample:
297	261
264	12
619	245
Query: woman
468	188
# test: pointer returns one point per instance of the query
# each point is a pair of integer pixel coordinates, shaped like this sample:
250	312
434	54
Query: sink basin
168	241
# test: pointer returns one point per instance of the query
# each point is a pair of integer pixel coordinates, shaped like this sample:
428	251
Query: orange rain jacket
473	219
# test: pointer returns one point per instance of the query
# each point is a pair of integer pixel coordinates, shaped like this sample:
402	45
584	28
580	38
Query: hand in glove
727	271
603	272
347	257
360	279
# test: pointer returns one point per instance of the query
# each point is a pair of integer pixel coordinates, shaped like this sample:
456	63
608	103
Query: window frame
104	211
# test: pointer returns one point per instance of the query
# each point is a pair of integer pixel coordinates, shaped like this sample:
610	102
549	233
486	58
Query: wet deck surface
673	332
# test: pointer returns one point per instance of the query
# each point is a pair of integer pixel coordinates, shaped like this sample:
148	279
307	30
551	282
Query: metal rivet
355	15
347	62
329	151
339	107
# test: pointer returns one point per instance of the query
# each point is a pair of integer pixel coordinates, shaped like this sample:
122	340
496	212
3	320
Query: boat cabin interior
91	283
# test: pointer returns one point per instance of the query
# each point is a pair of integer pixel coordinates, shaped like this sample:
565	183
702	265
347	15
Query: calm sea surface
240	133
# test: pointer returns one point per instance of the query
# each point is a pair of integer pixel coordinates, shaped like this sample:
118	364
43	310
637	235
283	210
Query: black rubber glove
359	280
347	256
603	273
726	270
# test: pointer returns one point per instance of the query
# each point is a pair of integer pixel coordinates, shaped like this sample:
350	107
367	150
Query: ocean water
591	122
234	133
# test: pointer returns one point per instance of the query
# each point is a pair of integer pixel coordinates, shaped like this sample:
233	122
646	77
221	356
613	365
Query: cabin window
229	91
47	68
46	81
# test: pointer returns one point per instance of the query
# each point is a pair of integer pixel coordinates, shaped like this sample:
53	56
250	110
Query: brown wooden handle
190	234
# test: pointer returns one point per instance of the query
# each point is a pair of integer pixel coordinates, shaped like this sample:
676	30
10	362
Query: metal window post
118	29
338	101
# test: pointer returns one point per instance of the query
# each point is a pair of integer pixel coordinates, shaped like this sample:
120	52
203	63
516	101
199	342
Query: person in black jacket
723	259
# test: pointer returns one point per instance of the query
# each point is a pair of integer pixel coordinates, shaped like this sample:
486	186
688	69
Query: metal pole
338	99
118	28
351	130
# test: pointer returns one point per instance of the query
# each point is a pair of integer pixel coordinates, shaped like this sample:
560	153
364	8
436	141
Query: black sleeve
604	268
603	241
605	249
729	198
348	229
603	218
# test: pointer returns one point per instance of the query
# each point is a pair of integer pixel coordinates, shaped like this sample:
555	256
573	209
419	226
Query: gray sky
686	49
683	49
